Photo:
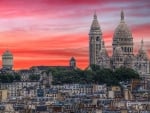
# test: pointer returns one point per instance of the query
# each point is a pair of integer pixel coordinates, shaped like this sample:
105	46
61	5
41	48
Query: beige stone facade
7	60
95	36
3	95
122	45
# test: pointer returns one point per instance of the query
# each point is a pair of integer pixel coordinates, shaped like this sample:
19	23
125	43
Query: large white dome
122	32
123	37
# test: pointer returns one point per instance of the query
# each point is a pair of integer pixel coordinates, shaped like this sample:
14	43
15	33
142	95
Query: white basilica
122	49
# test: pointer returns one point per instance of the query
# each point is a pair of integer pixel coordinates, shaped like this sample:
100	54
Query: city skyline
46	32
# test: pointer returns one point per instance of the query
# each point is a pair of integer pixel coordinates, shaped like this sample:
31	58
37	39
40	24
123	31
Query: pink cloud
55	30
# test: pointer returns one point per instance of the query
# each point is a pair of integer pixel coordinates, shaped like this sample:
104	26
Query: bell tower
72	62
95	37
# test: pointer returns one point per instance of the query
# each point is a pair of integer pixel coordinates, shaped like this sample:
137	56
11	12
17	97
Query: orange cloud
50	32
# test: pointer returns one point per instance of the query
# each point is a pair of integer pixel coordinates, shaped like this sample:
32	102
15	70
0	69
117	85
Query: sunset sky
50	32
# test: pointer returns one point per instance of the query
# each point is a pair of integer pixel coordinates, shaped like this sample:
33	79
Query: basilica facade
122	45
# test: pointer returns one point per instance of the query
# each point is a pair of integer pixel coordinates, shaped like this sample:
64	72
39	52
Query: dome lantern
122	16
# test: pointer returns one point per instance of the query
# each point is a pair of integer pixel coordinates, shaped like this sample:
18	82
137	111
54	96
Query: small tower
142	63
73	63
142	52
142	45
95	36
7	60
104	60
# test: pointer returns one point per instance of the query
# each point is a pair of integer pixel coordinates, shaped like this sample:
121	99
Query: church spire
122	16
142	49
95	24
142	44
103	44
95	16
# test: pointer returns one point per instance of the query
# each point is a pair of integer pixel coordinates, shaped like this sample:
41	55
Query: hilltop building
7	60
72	65
122	45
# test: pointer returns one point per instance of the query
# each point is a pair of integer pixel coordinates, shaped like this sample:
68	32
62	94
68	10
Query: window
97	39
124	49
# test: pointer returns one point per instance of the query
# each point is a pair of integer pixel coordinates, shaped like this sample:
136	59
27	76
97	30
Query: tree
34	77
96	75
94	67
6	78
89	76
125	74
17	77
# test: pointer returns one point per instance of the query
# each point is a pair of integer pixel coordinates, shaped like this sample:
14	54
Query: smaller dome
142	52
118	51
103	52
7	53
72	59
